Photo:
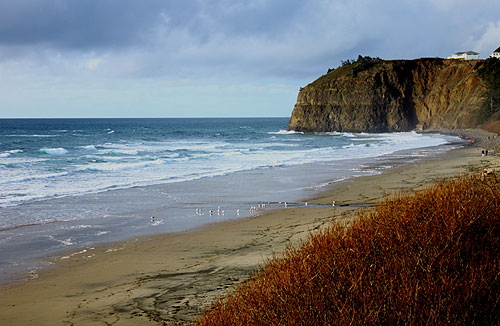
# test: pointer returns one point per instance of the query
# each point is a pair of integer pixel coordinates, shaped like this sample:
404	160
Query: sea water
76	182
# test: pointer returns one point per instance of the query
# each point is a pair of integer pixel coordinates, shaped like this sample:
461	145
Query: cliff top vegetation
489	72
352	67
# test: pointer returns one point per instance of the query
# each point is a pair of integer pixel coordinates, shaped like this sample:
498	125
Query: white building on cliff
495	54
469	55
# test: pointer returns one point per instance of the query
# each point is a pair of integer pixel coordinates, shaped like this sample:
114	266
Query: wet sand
169	279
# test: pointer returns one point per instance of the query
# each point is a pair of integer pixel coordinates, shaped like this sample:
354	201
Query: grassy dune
430	258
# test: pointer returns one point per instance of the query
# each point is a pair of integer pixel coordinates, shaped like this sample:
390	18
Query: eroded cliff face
390	96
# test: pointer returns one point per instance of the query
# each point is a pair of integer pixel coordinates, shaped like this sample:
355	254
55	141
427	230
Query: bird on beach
238	212
333	203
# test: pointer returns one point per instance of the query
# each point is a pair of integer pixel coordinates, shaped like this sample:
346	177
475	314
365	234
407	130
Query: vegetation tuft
431	258
489	72
360	64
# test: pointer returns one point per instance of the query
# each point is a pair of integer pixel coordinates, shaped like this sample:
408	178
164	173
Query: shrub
489	72
431	258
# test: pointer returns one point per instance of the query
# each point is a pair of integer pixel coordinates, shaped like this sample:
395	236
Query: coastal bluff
375	95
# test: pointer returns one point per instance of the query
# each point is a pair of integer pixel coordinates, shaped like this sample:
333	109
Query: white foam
66	242
285	132
110	167
146	163
34	135
102	233
89	147
83	226
23	178
53	151
8	153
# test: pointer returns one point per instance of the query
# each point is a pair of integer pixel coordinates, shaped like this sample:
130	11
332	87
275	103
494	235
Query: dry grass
426	259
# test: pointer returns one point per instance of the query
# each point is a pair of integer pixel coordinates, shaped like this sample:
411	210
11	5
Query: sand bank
168	279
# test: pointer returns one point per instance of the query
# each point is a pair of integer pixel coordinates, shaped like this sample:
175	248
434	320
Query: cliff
373	95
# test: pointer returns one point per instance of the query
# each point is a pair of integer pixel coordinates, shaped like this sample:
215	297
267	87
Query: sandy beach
169	279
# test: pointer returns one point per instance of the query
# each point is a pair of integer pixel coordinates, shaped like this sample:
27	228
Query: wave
8	153
65	242
110	167
122	153
88	147
53	151
13	151
137	162
33	135
149	158
99	233
31	178
285	132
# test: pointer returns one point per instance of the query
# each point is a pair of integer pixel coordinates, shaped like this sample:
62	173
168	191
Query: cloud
191	53
93	64
248	40
490	39
82	24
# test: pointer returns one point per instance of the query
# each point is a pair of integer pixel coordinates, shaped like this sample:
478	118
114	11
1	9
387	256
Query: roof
497	50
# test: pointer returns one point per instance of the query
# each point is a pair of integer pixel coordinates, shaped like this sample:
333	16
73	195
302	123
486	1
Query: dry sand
169	279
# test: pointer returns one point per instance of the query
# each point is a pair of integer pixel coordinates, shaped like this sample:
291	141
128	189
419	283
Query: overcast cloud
211	58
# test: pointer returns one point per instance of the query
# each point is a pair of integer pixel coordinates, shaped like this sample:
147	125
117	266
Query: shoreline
170	278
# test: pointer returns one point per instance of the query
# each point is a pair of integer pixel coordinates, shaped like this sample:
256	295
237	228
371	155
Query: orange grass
431	258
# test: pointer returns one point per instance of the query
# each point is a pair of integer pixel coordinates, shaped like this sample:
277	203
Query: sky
211	58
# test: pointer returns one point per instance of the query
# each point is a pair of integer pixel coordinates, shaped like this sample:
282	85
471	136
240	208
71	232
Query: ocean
74	183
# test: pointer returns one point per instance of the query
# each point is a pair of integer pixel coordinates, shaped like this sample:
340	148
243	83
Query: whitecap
88	147
82	226
34	135
150	158
102	233
285	132
8	153
20	179
53	151
66	242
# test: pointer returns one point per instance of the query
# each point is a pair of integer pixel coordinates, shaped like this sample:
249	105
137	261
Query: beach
169	279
